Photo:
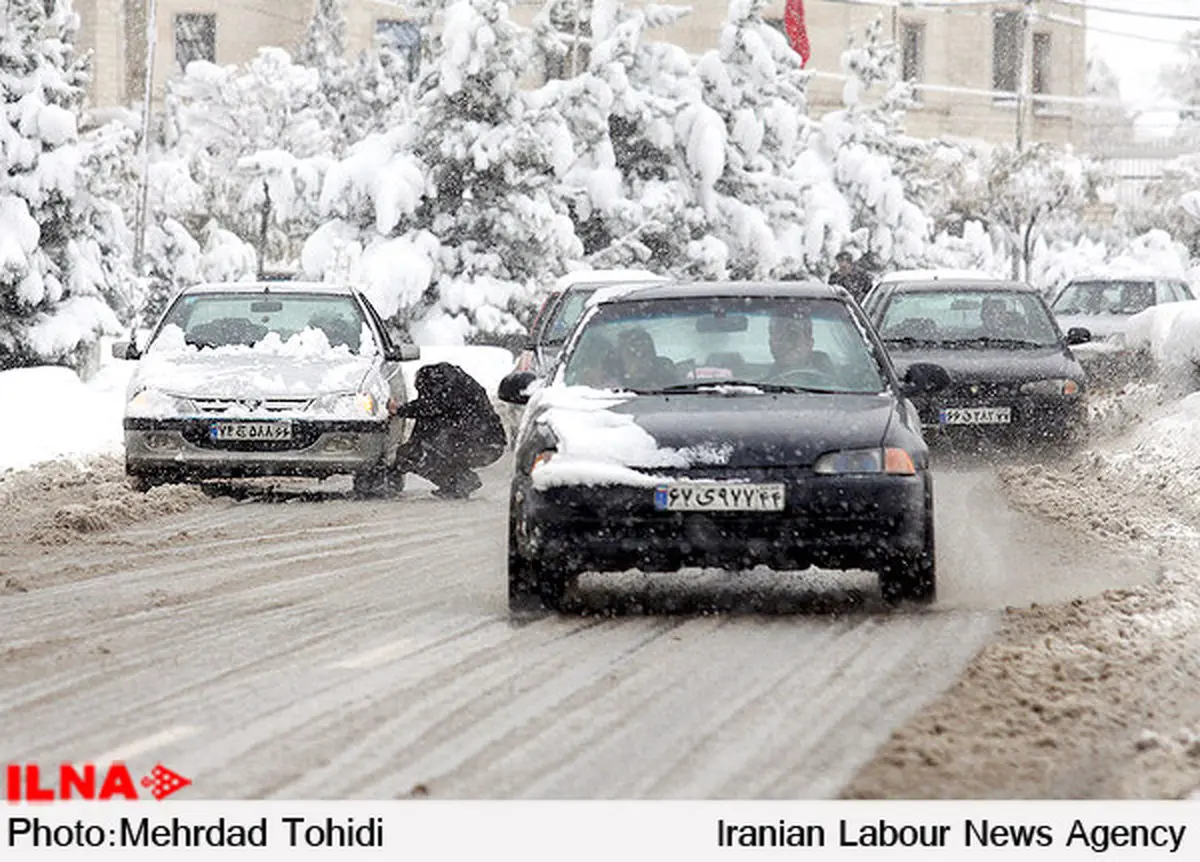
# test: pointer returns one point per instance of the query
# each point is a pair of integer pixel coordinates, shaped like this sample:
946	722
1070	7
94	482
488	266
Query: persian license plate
719	497
221	431
975	416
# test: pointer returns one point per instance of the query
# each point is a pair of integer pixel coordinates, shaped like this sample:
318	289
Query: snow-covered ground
51	413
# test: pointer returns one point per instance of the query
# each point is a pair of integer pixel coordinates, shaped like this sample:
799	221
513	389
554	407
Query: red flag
797	33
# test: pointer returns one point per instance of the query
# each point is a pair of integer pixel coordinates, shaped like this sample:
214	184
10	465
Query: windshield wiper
703	385
913	341
989	341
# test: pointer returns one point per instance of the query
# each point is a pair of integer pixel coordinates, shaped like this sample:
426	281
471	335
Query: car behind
1012	373
710	455
264	379
1104	305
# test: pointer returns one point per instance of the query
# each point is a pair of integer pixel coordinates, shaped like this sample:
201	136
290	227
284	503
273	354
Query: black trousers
446	458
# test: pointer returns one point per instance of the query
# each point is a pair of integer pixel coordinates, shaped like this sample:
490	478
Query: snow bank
1171	334
53	414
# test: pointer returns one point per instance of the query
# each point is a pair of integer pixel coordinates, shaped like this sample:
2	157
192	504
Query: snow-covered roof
271	287
606	276
936	275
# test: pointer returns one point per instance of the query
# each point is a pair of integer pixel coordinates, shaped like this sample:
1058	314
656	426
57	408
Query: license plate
719	497
975	416
250	431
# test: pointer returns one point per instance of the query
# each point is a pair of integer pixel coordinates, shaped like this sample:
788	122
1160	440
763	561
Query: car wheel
532	586
911	577
377	483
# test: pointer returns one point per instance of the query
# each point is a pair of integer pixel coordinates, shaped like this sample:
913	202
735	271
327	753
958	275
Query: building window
912	53
195	39
1041	62
1006	51
400	41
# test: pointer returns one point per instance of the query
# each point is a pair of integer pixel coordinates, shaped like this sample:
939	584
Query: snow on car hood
597	446
303	367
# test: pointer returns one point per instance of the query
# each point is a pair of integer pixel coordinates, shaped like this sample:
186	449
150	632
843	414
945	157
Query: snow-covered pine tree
61	253
257	141
756	85
619	157
460	200
869	152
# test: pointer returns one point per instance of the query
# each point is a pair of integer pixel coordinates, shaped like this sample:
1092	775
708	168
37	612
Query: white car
1104	305
265	379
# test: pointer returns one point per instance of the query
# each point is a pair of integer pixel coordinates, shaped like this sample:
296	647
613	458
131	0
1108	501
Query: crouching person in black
456	431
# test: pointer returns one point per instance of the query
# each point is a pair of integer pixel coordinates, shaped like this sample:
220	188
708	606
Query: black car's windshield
967	318
229	319
704	344
1105	297
566	314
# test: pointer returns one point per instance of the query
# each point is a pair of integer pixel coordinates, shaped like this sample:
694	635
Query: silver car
265	379
1103	305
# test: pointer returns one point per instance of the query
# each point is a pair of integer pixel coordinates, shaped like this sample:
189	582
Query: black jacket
856	281
449	399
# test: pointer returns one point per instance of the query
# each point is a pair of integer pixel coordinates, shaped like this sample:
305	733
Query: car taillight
525	361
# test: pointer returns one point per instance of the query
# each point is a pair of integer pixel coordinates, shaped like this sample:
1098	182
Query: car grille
972	390
214	406
304	434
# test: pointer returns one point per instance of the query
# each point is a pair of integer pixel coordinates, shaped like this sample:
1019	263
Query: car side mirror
514	388
1079	335
125	350
403	353
924	378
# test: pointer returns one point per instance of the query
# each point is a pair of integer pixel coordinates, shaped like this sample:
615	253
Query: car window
653	344
954	318
1185	291
566	314
1105	297
228	319
1172	291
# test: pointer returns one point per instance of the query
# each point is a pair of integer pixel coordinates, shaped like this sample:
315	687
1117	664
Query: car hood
992	365
1100	325
199	376
677	432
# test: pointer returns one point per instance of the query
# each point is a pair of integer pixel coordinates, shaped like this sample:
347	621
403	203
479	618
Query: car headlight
152	403
1053	386
893	461
350	405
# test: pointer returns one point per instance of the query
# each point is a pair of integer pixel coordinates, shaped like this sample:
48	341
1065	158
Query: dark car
1012	372
562	308
721	424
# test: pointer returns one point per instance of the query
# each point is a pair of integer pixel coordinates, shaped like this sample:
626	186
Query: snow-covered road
295	647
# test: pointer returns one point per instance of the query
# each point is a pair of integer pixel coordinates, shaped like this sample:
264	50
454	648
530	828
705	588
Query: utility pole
143	204
1025	82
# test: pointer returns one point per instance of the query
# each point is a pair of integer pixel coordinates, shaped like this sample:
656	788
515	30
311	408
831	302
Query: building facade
962	59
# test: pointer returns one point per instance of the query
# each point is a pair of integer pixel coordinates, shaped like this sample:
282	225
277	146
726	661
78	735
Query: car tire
532	586
377	482
911	577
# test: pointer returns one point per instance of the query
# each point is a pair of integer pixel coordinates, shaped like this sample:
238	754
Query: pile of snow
597	446
50	413
1171	334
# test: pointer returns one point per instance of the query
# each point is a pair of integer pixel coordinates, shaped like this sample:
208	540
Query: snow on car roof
936	275
605	276
271	287
948	285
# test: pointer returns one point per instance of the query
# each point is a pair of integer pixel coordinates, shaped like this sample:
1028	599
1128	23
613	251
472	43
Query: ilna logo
26	782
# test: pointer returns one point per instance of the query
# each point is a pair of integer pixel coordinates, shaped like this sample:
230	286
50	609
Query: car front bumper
838	522
1032	418
182	448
